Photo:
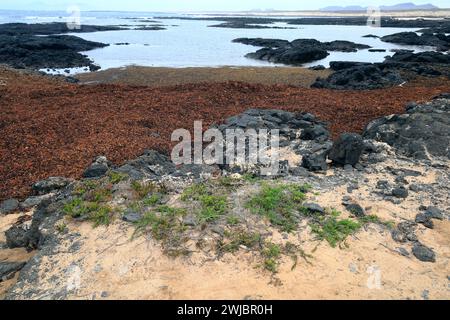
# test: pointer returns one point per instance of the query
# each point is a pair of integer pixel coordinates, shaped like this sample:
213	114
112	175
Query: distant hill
397	7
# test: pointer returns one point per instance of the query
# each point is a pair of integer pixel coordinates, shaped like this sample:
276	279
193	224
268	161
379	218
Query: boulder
298	51
421	133
423	253
361	76
50	184
400	192
315	161
311	207
9	206
97	169
347	149
356	210
8	269
425	220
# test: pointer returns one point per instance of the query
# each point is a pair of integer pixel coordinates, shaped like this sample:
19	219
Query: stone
347	149
132	217
434	213
35	201
190	220
314	133
17	237
313	208
97	169
404	232
422	132
425	220
403	251
315	161
400	193
50	184
8	269
360	77
356	210
9	206
423	253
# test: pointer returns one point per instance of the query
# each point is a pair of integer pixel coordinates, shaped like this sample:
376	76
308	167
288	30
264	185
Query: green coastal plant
280	204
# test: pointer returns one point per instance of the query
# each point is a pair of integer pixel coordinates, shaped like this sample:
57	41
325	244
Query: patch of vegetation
85	186
152	200
194	192
271	254
98	195
92	211
143	189
61	227
101	216
116	177
239	238
280	204
332	229
164	224
249	177
212	207
233	220
375	219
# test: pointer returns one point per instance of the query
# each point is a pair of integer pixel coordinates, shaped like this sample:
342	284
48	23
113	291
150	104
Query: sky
194	5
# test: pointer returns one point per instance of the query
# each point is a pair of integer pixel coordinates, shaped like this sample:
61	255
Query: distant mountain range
397	7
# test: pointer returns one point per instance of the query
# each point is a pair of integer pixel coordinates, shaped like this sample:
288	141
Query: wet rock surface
39	52
402	67
440	40
298	51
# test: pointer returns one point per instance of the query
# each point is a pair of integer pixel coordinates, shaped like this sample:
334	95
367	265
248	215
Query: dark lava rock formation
41	45
15	29
439	40
298	51
395	70
422	132
386	22
37	52
360	77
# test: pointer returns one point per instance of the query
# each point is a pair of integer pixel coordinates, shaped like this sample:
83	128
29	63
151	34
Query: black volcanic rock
347	149
340	65
298	51
15	29
36	52
422	132
440	41
421	57
262	42
362	77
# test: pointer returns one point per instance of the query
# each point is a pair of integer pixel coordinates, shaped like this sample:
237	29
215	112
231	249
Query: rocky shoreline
390	184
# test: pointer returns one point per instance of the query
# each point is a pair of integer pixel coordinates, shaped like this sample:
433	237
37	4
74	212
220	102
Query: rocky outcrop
50	184
38	52
98	168
347	149
401	67
440	40
359	77
16	29
422	132
298	51
9	206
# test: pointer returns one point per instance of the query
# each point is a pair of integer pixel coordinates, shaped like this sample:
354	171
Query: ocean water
188	43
